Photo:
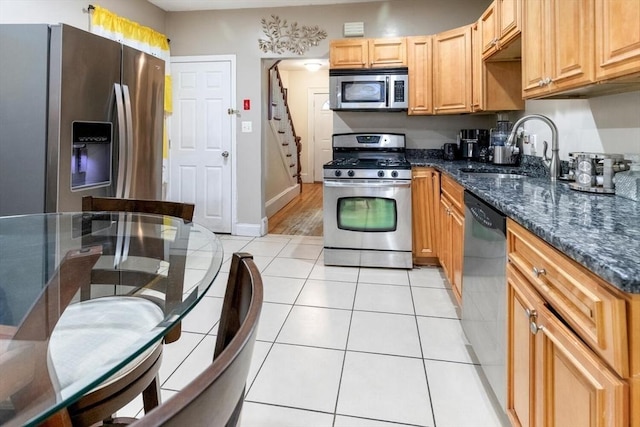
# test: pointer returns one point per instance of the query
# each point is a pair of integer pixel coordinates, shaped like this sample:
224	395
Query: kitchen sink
478	173
497	175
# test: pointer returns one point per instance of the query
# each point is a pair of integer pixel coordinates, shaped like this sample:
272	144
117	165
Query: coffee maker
472	141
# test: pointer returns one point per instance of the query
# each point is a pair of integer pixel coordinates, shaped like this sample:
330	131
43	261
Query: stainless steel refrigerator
79	115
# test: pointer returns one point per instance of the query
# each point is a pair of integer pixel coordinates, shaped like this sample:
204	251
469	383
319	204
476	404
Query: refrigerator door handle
122	139
129	148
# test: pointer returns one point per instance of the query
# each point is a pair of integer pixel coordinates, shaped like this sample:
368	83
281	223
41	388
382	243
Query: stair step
284	144
288	155
280	131
277	118
292	165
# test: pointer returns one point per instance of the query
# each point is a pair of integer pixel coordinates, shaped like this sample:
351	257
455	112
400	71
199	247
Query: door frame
311	129
232	60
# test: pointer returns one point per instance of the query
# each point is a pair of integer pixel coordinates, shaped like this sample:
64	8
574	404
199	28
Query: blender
499	151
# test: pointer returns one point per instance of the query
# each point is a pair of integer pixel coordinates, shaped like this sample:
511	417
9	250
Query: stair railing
281	122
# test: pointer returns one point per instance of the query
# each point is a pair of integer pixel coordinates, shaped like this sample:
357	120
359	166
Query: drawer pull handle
533	316
537	272
534	327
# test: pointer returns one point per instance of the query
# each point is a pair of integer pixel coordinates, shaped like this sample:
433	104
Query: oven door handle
366	184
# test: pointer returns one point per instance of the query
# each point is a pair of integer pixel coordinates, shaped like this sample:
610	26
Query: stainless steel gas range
367	202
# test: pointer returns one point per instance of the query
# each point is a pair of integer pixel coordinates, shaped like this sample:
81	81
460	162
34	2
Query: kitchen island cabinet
567	353
425	198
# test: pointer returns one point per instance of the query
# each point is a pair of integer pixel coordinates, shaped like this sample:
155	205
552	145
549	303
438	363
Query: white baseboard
251	230
280	201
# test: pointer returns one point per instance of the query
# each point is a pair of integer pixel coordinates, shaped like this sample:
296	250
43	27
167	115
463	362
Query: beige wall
73	12
605	124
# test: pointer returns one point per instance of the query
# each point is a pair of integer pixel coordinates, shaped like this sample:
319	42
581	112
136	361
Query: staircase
280	120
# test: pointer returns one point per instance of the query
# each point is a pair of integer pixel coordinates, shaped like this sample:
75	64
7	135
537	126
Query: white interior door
200	154
322	131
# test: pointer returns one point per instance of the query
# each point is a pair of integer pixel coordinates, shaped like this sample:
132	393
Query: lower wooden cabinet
425	196
554	377
451	247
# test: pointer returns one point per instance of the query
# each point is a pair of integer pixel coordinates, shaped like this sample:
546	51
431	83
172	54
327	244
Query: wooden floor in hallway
302	216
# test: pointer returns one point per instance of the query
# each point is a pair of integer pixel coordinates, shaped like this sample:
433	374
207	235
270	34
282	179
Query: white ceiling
186	5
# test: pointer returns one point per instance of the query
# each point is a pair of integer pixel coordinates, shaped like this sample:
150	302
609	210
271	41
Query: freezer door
24	50
143	88
83	70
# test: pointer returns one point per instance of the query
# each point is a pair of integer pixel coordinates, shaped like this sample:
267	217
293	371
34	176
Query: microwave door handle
388	86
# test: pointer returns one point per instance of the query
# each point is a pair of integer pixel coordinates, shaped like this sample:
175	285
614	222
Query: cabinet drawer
453	191
581	298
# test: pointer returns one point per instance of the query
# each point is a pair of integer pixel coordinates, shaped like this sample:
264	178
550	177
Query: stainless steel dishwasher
484	287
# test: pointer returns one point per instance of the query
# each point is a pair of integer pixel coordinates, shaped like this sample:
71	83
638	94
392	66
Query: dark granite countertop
601	232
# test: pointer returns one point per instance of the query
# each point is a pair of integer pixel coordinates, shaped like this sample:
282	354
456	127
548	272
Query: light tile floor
341	346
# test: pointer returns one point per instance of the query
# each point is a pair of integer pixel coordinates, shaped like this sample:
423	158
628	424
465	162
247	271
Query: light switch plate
246	127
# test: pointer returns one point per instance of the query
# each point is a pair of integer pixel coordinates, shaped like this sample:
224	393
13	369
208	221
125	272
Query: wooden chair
112	204
29	385
215	397
176	269
141	376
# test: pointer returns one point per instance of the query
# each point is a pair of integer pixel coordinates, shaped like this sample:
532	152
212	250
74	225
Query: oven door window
364	91
372	214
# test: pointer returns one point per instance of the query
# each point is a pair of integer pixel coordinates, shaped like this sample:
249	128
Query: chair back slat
158	207
215	397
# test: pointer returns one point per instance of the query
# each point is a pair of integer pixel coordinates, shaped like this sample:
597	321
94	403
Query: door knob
225	154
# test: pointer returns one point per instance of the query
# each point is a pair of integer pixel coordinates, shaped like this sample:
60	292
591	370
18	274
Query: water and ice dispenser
91	154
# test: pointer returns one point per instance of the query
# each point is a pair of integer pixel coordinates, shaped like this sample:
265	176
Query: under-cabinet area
571	328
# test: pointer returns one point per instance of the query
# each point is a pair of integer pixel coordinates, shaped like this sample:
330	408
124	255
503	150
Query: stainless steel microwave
379	89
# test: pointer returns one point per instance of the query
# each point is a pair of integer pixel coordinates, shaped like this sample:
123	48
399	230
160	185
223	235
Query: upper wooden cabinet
452	71
496	85
425	197
420	62
499	26
617	38
349	53
368	53
557	46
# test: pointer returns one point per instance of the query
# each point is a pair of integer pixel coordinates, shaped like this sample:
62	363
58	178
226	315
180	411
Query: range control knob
381	174
338	173
351	173
394	174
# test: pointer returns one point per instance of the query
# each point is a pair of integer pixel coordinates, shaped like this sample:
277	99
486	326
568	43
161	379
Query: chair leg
151	395
234	420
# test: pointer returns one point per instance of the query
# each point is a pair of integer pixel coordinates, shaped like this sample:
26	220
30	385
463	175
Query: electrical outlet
246	127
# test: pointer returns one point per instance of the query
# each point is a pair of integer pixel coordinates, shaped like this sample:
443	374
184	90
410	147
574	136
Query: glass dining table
85	295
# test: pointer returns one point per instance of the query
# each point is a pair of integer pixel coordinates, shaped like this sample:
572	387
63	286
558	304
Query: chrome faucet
552	164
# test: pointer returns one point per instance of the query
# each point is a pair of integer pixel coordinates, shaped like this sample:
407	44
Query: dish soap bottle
628	182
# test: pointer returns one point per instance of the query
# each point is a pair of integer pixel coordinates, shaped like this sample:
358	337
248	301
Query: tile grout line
424	365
